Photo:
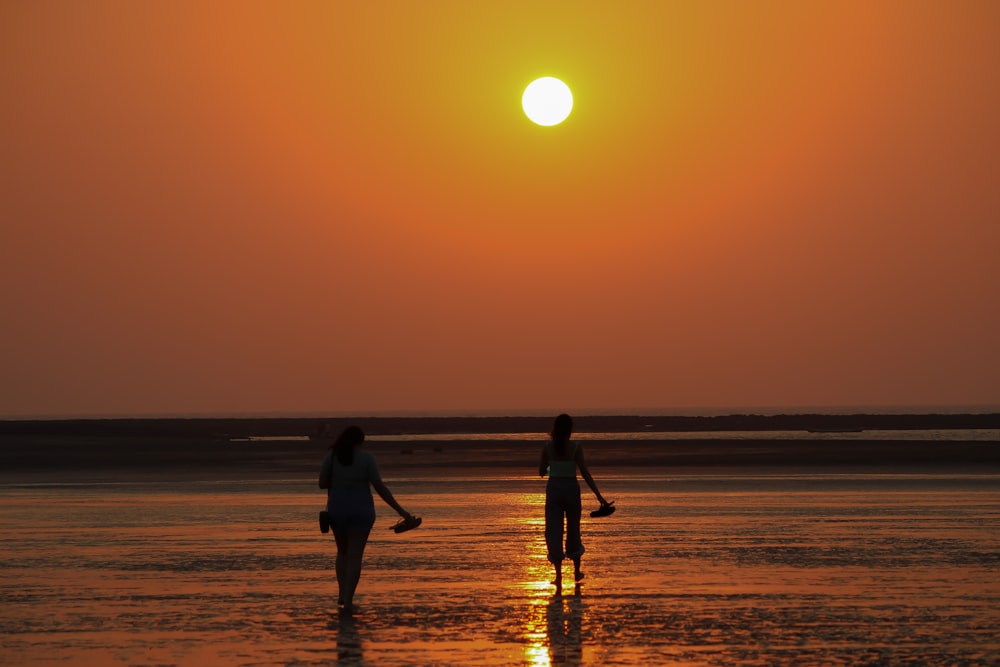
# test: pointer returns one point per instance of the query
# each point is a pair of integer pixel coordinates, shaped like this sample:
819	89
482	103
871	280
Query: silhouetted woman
347	472
561	458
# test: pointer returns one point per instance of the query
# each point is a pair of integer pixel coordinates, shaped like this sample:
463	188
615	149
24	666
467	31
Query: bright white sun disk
547	101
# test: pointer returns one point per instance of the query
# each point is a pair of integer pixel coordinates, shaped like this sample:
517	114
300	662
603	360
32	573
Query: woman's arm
543	466
386	495
585	472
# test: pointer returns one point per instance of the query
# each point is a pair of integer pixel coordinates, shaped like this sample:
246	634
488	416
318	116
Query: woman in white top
347	473
561	459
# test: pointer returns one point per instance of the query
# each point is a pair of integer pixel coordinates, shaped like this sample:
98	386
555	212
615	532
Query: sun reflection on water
535	580
552	632
536	652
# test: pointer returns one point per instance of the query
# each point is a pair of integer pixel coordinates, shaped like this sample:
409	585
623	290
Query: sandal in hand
606	509
408	523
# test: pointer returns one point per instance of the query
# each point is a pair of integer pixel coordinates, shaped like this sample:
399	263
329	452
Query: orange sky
327	206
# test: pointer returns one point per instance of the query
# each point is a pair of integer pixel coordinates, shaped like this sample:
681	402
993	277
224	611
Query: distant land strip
242	427
26	459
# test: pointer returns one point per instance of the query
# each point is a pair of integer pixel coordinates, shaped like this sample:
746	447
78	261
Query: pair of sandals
401	526
408	523
606	509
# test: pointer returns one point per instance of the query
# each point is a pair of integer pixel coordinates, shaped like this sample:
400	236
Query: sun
547	101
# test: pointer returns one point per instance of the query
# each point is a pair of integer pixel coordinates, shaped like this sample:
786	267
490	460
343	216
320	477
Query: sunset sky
340	207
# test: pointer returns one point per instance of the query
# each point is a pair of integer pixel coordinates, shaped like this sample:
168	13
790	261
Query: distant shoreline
242	427
47	459
71	451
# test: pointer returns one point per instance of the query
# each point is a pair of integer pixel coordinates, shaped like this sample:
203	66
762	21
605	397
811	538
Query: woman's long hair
562	429
345	443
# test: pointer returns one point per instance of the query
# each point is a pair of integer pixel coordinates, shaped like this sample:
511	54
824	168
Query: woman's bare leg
342	538
350	553
356	542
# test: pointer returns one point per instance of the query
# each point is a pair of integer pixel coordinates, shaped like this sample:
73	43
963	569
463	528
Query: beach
189	554
752	256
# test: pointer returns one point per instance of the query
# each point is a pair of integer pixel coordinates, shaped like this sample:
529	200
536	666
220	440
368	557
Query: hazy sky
217	208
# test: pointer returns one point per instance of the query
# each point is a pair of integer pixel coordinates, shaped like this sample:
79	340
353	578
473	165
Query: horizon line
829	410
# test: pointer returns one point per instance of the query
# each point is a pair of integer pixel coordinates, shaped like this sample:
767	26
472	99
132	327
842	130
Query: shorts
351	508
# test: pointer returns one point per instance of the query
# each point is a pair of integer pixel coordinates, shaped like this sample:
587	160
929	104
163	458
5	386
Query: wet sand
765	566
194	550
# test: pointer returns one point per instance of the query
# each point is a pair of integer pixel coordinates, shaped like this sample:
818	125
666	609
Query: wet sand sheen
704	570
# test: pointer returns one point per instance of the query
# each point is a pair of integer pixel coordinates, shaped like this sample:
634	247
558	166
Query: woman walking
561	459
349	473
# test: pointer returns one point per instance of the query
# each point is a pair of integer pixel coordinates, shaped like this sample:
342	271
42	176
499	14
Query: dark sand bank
67	458
270	427
219	449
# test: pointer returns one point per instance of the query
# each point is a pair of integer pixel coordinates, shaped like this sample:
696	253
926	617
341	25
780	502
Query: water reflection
564	618
554	630
536	632
348	641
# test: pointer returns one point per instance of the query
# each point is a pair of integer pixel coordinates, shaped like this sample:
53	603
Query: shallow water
693	570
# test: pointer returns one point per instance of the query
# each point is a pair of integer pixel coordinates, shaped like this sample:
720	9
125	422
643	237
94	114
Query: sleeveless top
562	467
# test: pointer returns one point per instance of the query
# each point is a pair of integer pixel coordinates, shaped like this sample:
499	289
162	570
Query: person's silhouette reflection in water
348	641
565	629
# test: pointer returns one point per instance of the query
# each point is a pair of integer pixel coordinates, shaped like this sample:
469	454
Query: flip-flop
404	525
607	509
324	521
